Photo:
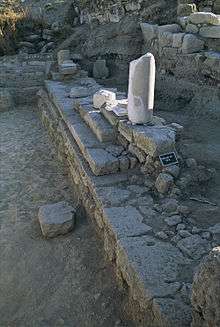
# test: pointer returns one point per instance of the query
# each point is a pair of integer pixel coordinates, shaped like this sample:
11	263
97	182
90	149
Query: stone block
141	155
154	140
165	39
212	32
204	18
79	92
192	44
101	162
68	68
194	246
172	28
103	96
186	9
56	219
149	31
177	40
164	182
126	130
191	28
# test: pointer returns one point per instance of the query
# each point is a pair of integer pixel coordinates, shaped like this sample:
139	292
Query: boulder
56	219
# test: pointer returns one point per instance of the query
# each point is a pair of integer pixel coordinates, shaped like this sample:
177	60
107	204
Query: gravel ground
61	282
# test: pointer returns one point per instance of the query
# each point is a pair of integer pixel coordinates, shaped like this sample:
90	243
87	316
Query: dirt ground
61	282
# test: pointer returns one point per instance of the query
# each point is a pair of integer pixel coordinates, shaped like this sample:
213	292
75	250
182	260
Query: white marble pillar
141	89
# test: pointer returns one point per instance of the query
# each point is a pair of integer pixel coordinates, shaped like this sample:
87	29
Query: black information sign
168	159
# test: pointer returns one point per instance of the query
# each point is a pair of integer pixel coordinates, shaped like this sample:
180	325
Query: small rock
176	239
180	227
56	219
172	170
173	220
170	206
215	230
206	235
170	233
162	235
164	182
103	96
183	210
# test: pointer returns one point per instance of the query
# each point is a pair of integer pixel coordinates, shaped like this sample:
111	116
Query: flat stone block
149	31
204	18
101	162
154	140
100	127
192	44
150	267
212	32
194	246
68	68
125	222
56	219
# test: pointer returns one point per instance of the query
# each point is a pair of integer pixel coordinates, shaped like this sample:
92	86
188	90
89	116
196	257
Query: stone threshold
124	212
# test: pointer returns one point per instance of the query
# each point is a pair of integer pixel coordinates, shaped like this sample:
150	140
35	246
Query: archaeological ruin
129	94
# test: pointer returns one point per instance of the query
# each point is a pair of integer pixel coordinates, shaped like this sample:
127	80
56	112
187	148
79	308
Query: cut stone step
98	124
101	159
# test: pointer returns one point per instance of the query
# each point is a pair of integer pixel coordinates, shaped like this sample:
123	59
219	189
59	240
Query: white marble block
103	96
141	89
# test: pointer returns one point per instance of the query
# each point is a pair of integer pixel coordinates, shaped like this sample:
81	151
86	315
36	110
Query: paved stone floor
61	282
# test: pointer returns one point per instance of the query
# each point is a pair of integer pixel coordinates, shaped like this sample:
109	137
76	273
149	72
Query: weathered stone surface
79	92
100	70
204	18
173	220
68	68
56	219
137	152
141	89
206	292
103	96
192	43
164	182
125	222
149	31
212	32
154	140
149	266
113	196
172	28
101	162
177	40
186	9
100	127
194	246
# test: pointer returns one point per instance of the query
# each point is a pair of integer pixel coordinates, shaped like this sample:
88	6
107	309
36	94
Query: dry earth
60	282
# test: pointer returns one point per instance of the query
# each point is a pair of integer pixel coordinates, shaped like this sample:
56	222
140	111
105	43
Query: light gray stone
184	233
141	155
204	18
103	96
206	292
194	246
101	162
173	220
172	170
162	235
192	43
141	89
68	68
6	100
172	28
125	222
164	182
154	140
212	32
149	31
191	28
79	92
170	205
178	40
113	196
56	219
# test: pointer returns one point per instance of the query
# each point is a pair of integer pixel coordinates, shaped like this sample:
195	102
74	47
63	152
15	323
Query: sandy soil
60	282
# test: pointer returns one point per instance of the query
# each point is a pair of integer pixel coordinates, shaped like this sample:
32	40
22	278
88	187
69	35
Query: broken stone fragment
103	96
62	56
56	219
